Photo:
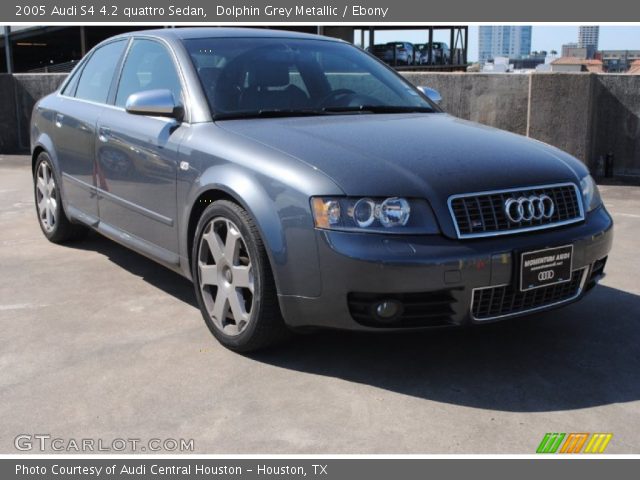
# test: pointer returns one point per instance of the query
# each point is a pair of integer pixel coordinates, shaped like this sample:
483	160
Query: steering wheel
335	95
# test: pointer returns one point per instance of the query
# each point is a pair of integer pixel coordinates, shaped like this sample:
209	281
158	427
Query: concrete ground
98	342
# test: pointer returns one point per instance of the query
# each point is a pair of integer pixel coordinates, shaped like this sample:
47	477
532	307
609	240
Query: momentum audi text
299	182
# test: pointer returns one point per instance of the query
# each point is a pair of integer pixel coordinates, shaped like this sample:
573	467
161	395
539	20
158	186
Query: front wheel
233	280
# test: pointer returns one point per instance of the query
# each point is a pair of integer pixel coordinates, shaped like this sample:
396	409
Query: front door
137	156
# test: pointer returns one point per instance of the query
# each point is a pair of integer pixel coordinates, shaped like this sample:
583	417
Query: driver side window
148	66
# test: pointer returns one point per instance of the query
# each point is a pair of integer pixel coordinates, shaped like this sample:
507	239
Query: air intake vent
495	302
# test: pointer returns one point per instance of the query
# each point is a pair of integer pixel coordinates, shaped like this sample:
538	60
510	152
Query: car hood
432	155
413	155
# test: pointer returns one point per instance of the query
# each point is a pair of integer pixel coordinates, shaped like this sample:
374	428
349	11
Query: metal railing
64	67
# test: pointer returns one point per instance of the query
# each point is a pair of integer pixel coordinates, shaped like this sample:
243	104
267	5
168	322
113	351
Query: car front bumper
437	279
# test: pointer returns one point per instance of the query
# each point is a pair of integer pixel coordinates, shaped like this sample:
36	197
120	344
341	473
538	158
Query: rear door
137	155
82	102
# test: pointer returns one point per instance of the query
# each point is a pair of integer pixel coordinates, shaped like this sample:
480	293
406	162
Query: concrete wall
616	121
585	114
8	125
560	111
496	100
588	115
18	95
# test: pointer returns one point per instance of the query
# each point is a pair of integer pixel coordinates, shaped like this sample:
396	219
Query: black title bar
278	11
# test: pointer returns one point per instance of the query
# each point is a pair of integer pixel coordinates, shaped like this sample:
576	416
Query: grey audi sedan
300	183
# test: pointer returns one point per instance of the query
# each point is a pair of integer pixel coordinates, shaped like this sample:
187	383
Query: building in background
573	64
503	41
572	50
635	68
537	61
567	47
588	36
616	61
532	61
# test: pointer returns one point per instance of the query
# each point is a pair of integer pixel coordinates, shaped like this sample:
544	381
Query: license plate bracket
548	266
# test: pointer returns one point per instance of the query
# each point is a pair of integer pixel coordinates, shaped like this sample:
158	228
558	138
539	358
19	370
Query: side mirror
157	103
431	94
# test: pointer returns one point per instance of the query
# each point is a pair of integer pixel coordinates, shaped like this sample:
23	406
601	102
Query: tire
53	221
233	280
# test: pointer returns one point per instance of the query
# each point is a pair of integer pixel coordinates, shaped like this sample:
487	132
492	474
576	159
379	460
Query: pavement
99	343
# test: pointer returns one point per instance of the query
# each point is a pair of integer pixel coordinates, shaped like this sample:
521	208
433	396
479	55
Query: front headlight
590	193
371	214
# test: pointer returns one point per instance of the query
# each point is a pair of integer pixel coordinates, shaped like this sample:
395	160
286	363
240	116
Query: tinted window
97	74
70	87
148	67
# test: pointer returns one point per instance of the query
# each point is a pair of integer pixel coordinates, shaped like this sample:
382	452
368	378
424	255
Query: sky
542	38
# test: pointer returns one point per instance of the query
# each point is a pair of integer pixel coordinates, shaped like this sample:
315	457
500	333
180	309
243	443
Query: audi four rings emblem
535	207
546	275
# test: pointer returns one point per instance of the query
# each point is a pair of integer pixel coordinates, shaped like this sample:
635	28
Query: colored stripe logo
574	443
598	443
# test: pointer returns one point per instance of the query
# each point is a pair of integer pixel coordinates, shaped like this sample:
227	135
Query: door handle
103	134
59	118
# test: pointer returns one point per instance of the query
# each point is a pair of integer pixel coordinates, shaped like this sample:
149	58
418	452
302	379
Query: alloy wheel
225	276
46	196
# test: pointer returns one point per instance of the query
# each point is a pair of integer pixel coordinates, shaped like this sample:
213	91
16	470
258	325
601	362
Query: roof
576	61
589	65
634	69
224	32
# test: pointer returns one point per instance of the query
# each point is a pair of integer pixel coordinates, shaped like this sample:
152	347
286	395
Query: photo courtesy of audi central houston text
301	183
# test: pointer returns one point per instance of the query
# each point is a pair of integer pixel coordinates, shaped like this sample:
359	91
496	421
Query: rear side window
70	87
148	67
97	74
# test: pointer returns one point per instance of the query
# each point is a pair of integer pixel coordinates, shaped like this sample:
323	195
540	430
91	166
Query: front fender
282	216
42	141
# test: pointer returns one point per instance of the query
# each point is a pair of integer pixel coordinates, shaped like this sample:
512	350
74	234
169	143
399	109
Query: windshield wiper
378	109
285	112
270	113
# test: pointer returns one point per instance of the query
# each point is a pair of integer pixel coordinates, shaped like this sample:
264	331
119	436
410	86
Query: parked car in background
440	53
422	53
300	183
405	53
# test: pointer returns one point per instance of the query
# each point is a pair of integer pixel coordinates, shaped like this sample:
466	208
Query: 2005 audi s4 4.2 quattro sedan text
299	182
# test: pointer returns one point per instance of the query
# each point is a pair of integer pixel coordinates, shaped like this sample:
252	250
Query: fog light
388	309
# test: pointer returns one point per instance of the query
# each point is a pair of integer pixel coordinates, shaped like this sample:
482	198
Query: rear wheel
233	280
53	221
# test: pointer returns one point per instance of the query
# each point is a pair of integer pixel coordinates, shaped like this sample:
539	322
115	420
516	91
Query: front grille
426	309
482	214
495	302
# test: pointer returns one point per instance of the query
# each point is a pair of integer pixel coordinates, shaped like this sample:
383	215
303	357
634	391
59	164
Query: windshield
244	77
